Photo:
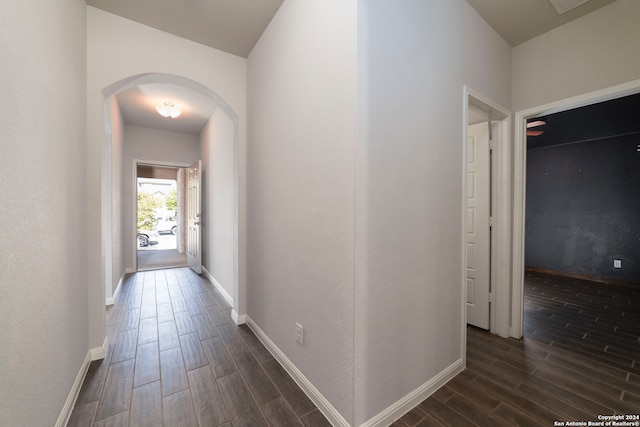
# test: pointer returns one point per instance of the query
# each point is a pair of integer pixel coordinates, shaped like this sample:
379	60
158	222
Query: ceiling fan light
168	110
536	124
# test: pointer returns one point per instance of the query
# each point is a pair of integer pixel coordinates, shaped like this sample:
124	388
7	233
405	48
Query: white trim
238	319
97	353
218	286
309	389
67	409
519	182
501	210
111	300
411	400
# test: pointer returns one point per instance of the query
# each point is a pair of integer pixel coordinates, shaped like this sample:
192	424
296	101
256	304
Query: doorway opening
485	305
159	217
522	118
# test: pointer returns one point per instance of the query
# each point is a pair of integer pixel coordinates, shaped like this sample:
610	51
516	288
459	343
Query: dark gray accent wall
583	208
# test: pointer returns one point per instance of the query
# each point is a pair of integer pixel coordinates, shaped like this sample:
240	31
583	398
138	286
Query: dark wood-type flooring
176	358
579	358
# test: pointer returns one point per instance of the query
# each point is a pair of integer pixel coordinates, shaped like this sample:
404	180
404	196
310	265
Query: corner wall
414	59
44	338
300	174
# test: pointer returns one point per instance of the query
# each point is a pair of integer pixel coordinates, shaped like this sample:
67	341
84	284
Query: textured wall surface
583	207
43	244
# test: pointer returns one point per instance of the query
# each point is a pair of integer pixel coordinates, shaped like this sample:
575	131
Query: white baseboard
218	286
411	400
239	320
332	414
111	300
384	418
97	353
67	409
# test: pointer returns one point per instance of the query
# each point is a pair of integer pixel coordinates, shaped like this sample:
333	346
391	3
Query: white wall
414	59
43	308
118	49
153	145
300	166
116	187
594	52
219	189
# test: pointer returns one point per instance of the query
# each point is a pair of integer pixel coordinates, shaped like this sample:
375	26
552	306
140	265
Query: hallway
175	358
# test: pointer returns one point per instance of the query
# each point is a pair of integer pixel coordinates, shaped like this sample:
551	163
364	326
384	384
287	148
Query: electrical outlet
617	263
299	334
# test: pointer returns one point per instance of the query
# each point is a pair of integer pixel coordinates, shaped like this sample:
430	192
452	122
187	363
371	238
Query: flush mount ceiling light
168	110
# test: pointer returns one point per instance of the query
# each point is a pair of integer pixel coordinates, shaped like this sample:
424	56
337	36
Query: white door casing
194	217
478	237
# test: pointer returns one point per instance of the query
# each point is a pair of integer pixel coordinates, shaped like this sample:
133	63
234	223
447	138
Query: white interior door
194	215
478	228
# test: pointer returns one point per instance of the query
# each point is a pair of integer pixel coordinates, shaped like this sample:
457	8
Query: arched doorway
218	142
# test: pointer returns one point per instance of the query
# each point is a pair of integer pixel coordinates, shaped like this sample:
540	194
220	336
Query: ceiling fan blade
536	124
534	132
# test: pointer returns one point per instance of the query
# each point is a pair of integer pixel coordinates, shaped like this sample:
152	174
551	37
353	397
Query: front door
478	228
194	217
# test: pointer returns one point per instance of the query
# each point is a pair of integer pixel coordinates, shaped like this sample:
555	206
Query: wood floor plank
168	336
257	380
148	331
146	406
117	390
444	414
242	408
298	400
125	346
204	326
278	413
192	352
131	319
208	401
83	415
475	412
218	357
118	420
165	312
147	364
178	410
315	419
255	346
232	339
172	371
184	324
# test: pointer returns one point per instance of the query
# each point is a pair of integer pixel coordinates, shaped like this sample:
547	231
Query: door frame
519	182
134	202
500	126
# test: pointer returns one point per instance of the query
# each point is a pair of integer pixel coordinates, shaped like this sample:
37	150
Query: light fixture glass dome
169	110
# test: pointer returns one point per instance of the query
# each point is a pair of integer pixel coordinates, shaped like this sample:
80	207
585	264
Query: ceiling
520	20
234	26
